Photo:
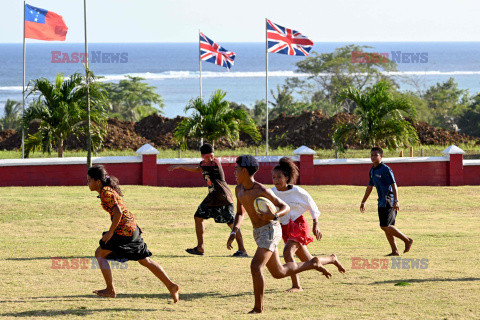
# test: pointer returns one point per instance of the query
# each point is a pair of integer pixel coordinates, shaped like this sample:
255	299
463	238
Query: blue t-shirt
382	178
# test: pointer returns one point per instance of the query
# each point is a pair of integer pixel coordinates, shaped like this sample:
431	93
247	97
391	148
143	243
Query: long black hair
98	172
288	168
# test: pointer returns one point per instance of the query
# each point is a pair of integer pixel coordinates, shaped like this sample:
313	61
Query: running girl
123	240
295	231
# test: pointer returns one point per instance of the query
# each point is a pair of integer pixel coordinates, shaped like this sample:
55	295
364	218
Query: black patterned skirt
126	247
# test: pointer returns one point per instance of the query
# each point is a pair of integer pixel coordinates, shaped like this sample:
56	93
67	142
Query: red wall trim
147	170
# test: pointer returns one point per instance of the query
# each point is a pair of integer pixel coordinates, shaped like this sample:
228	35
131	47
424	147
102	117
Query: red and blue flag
42	24
214	53
287	41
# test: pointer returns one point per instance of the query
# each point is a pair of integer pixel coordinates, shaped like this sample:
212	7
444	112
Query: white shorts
268	236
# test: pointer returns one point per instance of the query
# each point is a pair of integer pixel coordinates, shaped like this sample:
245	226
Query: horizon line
195	42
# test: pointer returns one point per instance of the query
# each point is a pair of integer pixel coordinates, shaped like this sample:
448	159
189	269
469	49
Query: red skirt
297	230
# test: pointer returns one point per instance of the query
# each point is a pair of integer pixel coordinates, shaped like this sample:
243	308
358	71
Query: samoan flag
214	53
287	41
42	24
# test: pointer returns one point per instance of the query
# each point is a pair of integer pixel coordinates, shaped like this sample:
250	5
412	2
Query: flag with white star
42	24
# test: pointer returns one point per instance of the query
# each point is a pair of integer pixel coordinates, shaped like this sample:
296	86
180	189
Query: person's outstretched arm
117	216
237	222
365	197
311	206
188	167
395	205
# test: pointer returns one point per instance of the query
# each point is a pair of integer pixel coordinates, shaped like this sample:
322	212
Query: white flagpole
200	63
87	80
23	91
266	87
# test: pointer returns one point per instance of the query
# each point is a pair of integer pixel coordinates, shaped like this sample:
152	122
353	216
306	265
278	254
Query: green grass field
44	222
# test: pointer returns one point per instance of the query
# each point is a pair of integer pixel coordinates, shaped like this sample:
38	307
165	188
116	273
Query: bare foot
408	245
255	311
319	267
174	292
339	266
294	289
393	254
107	293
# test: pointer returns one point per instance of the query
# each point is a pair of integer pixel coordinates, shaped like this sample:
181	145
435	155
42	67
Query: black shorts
223	214
387	216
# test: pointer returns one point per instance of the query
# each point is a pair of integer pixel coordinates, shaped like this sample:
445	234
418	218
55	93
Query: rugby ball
263	205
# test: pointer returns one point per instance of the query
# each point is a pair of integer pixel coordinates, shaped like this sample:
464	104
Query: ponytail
98	172
289	169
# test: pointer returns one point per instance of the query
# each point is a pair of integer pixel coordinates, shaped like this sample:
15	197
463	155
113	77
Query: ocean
173	68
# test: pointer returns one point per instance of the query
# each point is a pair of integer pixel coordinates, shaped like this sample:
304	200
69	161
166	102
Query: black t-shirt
218	192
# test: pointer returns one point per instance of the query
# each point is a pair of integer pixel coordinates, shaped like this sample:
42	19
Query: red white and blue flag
287	41
214	53
42	24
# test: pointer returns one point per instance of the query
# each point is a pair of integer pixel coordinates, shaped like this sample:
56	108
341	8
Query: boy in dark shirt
218	204
381	176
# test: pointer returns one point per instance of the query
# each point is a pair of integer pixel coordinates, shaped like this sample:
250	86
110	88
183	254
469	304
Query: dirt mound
429	135
158	130
315	130
12	139
120	135
312	129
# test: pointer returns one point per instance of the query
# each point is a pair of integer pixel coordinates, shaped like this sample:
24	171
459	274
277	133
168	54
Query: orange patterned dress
110	199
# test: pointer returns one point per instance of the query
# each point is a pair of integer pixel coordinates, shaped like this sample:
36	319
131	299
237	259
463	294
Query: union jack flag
287	41
214	53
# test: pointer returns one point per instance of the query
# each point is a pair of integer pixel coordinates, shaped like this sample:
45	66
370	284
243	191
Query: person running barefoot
123	240
266	230
218	204
381	176
295	231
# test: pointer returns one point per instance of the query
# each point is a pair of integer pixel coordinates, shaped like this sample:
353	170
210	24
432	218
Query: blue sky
244	21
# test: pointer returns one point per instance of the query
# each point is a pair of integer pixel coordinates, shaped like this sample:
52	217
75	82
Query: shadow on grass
187	296
50	257
183	296
427	280
159	256
76	312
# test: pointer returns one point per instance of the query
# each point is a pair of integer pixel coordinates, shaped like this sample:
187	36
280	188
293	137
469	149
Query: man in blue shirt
381	176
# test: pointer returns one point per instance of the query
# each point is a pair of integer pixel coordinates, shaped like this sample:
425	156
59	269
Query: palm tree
380	119
61	110
132	99
214	120
11	115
